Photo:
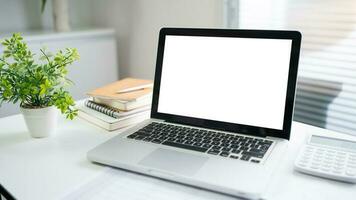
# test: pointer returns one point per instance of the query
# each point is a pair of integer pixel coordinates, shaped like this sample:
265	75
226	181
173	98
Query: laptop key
236	151
188	142
139	137
234	157
198	144
226	149
245	158
215	143
224	154
157	141
147	139
184	146
216	147
252	154
258	151
179	141
132	136
214	152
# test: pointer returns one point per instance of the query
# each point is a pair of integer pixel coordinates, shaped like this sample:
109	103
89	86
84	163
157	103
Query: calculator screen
333	142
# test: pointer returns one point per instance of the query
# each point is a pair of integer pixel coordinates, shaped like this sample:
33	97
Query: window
326	92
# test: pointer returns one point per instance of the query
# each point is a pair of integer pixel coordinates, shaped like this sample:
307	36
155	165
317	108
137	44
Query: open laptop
221	110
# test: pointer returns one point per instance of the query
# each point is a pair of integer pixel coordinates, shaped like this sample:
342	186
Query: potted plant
39	85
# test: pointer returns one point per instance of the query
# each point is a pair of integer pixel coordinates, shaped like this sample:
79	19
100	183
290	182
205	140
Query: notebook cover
110	91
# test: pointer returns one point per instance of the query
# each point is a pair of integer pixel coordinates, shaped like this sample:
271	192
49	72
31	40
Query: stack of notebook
119	104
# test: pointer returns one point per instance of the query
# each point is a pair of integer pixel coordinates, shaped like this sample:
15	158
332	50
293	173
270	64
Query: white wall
138	22
16	15
24	15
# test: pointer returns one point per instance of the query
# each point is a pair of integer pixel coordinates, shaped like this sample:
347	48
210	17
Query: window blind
326	90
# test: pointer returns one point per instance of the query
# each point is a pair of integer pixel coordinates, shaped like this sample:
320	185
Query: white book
109	123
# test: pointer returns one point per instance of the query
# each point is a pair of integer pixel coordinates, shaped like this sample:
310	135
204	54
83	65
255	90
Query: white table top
51	167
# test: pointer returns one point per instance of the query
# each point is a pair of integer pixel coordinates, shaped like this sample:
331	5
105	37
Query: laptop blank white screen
228	79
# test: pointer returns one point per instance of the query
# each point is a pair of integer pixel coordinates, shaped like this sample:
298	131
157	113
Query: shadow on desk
313	98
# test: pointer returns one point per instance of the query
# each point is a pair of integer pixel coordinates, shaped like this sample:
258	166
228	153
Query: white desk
49	168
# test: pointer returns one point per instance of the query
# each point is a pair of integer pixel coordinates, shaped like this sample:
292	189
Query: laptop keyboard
212	142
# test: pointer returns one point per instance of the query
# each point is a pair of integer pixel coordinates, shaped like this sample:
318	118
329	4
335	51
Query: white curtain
326	94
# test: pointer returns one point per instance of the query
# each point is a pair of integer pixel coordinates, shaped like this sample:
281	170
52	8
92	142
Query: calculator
328	157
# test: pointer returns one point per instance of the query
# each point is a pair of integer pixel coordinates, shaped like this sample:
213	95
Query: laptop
221	111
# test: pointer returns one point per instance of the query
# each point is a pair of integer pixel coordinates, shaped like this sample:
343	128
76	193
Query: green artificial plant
36	84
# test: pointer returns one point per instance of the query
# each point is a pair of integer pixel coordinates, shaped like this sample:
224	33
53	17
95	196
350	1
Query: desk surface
49	168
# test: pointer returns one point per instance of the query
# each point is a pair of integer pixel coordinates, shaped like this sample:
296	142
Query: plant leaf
43	5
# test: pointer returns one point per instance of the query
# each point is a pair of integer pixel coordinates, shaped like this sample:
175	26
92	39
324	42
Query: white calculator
329	158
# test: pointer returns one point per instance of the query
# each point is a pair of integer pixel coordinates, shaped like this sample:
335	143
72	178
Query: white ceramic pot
41	122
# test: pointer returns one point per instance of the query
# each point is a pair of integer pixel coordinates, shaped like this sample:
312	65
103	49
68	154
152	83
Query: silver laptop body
221	111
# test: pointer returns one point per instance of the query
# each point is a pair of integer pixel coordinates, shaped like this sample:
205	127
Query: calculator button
315	163
337	171
329	155
339	157
351	166
337	168
339	164
327	165
325	169
351	172
327	162
351	162
315	167
341	153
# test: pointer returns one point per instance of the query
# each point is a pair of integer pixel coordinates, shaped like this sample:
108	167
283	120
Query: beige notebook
111	91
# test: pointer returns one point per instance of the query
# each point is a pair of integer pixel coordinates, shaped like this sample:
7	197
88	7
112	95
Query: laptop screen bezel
295	36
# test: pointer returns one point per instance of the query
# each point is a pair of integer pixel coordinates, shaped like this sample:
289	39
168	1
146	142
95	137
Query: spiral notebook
107	122
112	112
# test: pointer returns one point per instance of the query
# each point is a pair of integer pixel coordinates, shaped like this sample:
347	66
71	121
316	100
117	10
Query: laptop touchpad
174	161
